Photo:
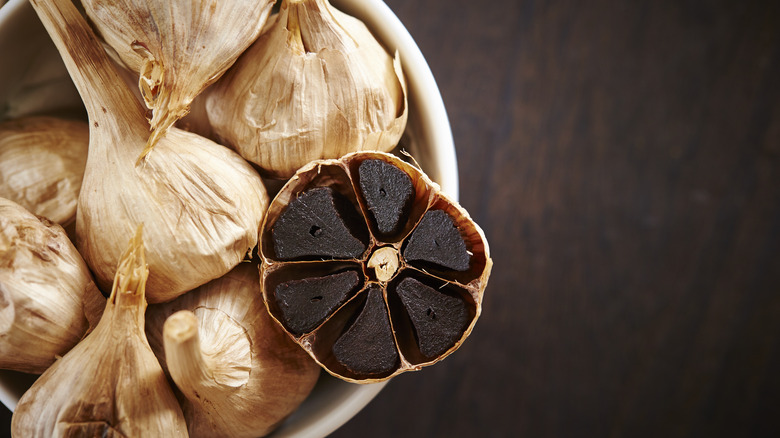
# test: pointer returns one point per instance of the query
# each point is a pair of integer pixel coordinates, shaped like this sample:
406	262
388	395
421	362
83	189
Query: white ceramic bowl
33	80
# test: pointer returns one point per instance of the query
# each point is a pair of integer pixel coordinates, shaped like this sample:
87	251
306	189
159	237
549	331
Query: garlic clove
110	384
316	84
177	48
42	163
238	373
48	300
201	203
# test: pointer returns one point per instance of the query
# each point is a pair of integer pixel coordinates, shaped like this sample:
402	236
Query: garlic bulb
370	268
42	163
238	373
177	47
110	384
316	84
47	297
201	204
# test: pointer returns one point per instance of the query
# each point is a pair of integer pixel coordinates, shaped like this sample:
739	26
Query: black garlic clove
367	346
306	303
436	240
388	192
315	225
439	319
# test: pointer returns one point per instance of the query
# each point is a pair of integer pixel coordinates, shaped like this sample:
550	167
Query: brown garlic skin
316	84
201	203
48	300
110	384
382	262
236	371
42	163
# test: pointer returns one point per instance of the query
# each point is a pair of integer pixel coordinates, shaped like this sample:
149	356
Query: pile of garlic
205	359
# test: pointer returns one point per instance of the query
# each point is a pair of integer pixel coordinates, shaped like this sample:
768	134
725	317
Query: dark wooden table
623	159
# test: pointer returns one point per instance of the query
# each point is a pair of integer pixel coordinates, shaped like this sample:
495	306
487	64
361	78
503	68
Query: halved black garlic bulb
370	268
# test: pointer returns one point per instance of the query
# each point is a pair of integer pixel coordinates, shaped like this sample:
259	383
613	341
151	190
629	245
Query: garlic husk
201	204
110	384
177	48
238	373
42	163
316	84
203	226
48	300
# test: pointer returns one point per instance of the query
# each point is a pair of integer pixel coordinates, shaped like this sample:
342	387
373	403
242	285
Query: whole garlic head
201	203
48	300
110	384
315	84
238	373
177	48
42	163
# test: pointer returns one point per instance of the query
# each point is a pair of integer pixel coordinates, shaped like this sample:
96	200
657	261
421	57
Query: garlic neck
313	27
127	302
106	97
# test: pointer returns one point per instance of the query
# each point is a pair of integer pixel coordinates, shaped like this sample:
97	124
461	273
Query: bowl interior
35	81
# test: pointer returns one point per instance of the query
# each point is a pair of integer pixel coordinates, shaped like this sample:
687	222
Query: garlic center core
385	262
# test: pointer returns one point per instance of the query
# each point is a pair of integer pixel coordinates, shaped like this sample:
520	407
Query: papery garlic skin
110	384
200	202
42	163
48	300
316	84
200	223
177	47
238	372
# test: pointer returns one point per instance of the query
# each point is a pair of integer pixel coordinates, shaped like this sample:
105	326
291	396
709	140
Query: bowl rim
387	27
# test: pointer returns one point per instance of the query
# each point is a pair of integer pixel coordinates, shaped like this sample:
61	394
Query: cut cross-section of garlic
418	283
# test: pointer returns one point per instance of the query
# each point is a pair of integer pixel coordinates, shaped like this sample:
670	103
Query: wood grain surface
623	159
